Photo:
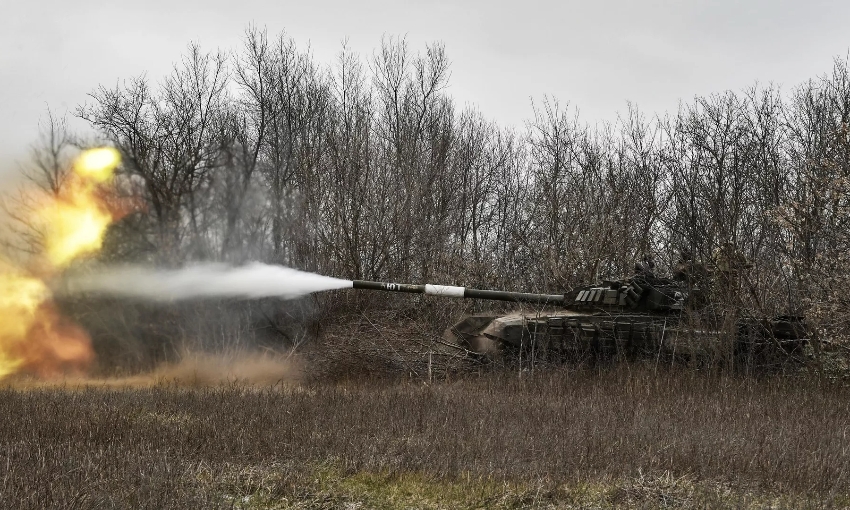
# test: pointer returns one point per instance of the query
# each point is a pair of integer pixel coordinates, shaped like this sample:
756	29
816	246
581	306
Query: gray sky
596	55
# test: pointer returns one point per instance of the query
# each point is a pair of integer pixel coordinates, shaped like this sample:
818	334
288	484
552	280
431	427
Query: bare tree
45	172
168	138
815	215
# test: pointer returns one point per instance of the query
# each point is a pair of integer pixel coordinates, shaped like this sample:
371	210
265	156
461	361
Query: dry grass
557	439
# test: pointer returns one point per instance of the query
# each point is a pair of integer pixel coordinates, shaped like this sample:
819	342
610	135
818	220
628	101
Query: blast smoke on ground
197	281
194	370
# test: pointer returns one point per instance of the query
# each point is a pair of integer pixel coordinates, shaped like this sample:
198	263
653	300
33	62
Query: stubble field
628	437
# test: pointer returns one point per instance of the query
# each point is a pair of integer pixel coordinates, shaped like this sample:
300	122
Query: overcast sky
596	55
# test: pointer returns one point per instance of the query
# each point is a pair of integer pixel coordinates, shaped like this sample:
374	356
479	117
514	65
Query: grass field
565	438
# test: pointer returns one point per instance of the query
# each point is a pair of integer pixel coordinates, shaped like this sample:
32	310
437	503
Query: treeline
366	168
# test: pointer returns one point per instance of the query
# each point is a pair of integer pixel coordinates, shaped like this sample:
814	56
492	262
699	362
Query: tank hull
573	336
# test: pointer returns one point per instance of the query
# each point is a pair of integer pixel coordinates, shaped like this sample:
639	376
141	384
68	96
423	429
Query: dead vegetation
568	438
389	344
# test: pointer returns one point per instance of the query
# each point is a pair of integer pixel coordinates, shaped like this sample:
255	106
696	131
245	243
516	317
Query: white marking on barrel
444	290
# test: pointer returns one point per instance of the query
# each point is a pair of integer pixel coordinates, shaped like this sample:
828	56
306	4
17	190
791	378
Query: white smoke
207	280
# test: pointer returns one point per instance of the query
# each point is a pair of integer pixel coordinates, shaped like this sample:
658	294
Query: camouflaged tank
643	316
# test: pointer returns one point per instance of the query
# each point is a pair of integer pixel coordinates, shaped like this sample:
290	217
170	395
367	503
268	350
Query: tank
642	316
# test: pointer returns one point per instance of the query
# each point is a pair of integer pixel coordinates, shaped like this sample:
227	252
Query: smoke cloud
207	280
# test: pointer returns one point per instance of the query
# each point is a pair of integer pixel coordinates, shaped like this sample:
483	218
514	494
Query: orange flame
34	337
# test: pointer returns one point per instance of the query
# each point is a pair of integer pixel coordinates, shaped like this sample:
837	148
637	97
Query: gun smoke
198	281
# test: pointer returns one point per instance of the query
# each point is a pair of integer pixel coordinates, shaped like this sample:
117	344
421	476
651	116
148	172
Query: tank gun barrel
460	292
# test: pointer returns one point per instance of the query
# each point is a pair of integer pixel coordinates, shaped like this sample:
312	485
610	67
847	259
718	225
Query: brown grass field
627	437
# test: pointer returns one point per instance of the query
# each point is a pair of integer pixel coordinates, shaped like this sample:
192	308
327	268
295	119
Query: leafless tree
815	214
168	138
45	172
